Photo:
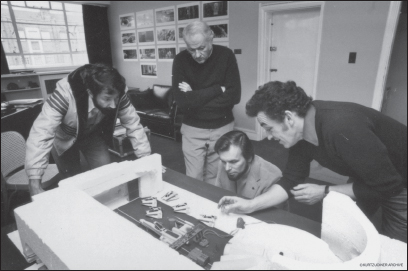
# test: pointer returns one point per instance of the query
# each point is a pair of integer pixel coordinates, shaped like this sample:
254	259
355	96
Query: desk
214	194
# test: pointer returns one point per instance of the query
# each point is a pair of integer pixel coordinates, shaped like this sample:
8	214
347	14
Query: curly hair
100	77
275	97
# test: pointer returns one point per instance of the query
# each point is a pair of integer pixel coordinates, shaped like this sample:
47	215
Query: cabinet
42	84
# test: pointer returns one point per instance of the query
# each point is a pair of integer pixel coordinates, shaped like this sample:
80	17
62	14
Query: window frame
19	41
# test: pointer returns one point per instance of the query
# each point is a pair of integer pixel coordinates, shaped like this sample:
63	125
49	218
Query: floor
172	157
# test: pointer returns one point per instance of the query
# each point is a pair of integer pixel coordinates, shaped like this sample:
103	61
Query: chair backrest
13	148
163	93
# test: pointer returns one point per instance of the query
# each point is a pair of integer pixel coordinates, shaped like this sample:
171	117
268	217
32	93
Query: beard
239	175
105	111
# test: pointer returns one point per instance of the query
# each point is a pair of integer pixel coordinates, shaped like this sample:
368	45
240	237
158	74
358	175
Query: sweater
207	106
354	141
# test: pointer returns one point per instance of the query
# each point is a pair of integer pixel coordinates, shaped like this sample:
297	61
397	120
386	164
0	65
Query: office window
42	34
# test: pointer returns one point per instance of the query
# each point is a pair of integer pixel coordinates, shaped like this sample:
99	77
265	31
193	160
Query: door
293	46
395	94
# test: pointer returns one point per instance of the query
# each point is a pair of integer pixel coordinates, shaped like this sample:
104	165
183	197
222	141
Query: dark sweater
354	141
206	106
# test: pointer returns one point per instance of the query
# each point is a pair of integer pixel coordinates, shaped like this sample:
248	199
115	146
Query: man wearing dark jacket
347	138
206	86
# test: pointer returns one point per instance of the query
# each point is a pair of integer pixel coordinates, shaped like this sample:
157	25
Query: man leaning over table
80	115
347	138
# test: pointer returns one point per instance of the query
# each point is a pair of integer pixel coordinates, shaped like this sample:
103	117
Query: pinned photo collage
156	35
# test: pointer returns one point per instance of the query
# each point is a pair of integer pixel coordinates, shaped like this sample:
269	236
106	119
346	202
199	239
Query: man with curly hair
347	138
80	116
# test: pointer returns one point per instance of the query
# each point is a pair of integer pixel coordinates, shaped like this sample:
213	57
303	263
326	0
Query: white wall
348	26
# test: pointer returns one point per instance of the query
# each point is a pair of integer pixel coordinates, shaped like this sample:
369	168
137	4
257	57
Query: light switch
352	57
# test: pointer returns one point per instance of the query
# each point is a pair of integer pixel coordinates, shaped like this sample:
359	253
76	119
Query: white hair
198	27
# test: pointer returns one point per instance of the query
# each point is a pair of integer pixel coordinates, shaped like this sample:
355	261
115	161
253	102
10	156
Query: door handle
273	70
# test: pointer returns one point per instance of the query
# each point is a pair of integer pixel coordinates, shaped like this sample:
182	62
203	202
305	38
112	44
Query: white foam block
102	179
68	229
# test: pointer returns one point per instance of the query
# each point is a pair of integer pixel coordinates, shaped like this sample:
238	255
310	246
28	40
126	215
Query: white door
293	46
395	94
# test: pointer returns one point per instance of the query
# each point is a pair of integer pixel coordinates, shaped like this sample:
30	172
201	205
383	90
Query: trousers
94	149
198	148
394	217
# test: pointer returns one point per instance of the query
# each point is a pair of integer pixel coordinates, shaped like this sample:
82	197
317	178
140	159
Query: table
214	194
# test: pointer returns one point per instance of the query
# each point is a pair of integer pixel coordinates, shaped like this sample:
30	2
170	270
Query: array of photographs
157	35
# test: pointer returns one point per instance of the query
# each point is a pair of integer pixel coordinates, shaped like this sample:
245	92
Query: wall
347	27
356	26
395	101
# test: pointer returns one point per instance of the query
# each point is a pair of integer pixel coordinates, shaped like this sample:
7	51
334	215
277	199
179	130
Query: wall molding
386	50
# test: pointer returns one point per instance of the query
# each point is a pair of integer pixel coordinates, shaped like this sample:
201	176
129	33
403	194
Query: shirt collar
252	173
309	127
91	104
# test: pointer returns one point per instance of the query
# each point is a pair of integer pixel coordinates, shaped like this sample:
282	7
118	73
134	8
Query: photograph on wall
147	53
215	10
145	36
165	16
148	70
220	29
127	21
188	12
226	44
144	18
182	47
130	54
166	34
167	53
128	38
180	29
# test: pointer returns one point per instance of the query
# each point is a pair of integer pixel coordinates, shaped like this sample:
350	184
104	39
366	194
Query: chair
13	175
157	110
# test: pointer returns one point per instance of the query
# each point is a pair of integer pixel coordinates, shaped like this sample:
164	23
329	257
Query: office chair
13	175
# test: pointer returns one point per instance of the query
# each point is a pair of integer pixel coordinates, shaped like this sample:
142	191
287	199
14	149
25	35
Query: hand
308	193
184	87
223	89
35	187
234	205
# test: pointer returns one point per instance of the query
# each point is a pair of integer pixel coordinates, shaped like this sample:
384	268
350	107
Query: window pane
38	4
15	62
78	45
7	30
56	5
18	3
55	46
73	7
10	46
5	14
48	60
31	31
80	59
39	16
45	46
76	32
75	18
4	2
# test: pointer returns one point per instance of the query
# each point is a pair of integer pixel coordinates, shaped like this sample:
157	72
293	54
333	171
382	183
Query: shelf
19	90
4	76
